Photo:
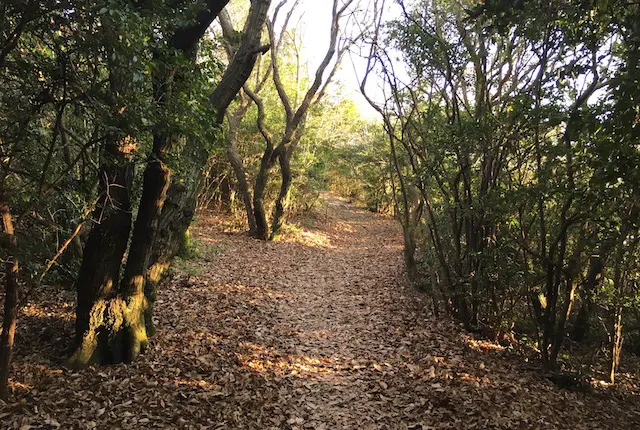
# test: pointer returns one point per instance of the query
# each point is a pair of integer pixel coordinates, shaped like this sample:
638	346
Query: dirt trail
317	331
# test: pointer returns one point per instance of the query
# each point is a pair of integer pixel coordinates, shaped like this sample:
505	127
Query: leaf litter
318	333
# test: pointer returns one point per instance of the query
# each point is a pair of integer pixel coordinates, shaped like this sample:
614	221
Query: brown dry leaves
298	334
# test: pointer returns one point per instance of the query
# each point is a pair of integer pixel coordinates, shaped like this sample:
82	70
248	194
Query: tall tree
295	117
110	316
493	120
181	200
50	124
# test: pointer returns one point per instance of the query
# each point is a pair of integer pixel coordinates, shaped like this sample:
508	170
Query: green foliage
516	142
75	76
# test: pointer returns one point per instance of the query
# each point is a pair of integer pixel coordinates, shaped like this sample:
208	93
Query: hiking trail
319	330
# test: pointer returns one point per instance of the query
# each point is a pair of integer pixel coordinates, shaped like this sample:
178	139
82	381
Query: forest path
317	331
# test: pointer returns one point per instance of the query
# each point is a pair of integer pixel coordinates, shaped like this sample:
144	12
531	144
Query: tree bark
179	206
285	170
10	299
97	285
616	344
582	325
295	120
186	39
154	193
172	233
241	66
112	317
243	185
262	226
237	165
183	198
266	163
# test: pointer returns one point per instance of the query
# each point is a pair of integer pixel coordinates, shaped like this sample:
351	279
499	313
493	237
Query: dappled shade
342	341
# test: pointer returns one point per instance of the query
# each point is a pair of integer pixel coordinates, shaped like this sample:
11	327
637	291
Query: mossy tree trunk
175	223
112	316
154	193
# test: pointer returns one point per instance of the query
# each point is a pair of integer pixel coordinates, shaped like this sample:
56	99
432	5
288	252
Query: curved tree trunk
294	118
243	186
278	213
112	317
183	198
173	223
172	232
180	206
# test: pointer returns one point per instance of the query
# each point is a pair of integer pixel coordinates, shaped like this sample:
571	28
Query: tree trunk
616	344
173	223
582	325
262	226
549	318
243	186
409	253
110	317
278	212
618	286
98	311
226	195
180	205
154	193
171	235
183	199
182	196
10	299
565	313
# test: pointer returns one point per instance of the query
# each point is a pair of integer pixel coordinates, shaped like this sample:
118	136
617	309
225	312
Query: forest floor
319	330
